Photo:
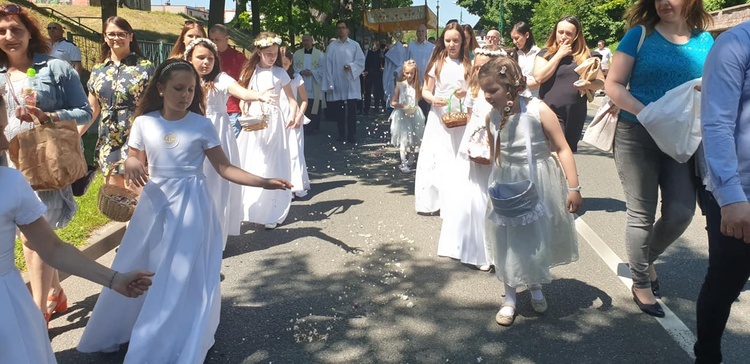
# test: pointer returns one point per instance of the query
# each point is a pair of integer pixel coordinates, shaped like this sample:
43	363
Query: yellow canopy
391	19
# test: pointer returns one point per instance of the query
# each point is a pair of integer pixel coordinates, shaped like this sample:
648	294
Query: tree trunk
109	8
291	30
215	12
255	10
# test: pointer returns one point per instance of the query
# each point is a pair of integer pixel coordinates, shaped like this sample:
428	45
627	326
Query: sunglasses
52	28
12	9
190	22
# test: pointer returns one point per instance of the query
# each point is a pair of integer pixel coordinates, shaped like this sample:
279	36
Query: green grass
87	219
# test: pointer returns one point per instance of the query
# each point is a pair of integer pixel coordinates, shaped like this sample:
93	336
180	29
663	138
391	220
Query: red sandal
62	302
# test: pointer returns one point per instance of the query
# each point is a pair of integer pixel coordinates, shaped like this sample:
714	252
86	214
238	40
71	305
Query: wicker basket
115	202
479	149
454	119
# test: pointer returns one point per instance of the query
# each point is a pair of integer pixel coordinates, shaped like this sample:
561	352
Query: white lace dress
523	253
407	125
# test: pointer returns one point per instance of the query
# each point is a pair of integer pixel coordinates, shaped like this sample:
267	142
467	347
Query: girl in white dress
407	120
265	151
300	179
217	87
524	248
446	81
462	233
175	230
23	330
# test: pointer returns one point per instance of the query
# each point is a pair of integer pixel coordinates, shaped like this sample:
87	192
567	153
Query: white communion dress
440	143
265	152
23	334
227	195
296	138
407	125
176	233
462	233
523	252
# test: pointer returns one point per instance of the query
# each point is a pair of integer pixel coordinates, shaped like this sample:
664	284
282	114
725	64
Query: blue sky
448	10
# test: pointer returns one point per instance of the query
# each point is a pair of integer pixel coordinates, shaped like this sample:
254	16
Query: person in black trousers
725	125
373	78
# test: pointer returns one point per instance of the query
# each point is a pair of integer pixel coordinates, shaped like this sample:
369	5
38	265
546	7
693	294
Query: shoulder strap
643	36
527	121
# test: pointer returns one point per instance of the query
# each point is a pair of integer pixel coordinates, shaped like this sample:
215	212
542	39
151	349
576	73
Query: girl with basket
263	141
407	120
445	86
462	233
217	87
531	229
175	230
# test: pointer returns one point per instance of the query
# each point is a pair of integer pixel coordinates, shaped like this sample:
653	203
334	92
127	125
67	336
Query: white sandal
505	320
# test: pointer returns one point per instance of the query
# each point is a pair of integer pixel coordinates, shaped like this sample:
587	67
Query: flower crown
498	53
197	41
267	42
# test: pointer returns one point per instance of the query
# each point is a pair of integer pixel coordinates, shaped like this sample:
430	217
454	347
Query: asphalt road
352	276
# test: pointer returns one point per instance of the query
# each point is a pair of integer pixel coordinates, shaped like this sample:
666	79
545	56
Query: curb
101	241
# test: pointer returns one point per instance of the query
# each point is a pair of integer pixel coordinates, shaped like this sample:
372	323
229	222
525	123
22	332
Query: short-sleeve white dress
439	144
176	233
407	125
23	332
265	153
300	179
227	195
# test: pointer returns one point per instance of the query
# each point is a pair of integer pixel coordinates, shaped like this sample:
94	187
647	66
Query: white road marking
671	323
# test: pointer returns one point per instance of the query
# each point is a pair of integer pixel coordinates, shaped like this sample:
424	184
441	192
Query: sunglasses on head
190	22
12	9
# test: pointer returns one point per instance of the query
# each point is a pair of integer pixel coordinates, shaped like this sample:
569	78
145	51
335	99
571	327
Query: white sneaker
405	168
301	194
271	226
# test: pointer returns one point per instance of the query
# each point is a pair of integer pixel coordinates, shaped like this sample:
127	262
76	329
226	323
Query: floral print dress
118	88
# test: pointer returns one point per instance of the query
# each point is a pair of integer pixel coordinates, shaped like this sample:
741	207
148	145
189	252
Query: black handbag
517	203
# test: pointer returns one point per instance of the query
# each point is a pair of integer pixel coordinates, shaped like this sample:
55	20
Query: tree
600	19
215	12
109	8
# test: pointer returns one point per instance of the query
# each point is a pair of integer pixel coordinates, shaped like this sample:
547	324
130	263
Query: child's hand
132	284
460	93
268	96
291	124
574	201
135	172
439	102
276	184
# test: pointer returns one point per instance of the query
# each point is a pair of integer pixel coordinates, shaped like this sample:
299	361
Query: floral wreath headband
267	42
196	42
486	52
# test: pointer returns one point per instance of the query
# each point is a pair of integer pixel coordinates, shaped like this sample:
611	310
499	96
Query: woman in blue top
60	96
673	52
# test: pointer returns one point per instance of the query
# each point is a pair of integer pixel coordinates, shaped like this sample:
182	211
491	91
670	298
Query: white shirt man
310	63
344	63
394	60
62	48
420	51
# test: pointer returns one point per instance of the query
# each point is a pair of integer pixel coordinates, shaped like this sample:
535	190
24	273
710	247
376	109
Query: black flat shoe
655	288
653	310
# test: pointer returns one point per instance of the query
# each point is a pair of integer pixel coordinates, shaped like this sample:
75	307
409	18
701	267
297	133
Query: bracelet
577	189
112	279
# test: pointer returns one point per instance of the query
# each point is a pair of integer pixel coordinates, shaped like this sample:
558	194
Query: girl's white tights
509	305
407	158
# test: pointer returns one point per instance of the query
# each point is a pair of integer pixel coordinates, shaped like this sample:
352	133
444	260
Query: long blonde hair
417	84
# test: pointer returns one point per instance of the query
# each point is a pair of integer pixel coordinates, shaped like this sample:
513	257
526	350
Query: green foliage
601	19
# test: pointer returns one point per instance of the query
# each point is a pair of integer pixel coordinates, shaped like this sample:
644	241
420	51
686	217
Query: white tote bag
674	121
600	133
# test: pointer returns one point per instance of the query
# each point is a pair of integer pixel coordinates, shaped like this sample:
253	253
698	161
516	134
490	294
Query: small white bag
600	133
674	121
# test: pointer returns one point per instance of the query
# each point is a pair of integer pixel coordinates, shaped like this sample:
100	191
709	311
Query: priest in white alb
394	60
344	64
420	51
310	63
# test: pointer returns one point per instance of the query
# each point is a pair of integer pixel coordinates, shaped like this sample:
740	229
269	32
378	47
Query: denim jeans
235	123
645	170
728	271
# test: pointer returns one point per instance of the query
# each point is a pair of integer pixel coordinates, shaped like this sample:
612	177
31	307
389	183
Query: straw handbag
115	202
